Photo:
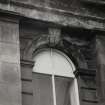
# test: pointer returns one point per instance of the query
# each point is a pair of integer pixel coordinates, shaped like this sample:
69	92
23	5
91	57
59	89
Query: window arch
53	79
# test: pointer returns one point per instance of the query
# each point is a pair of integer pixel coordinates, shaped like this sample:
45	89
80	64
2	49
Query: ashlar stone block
9	32
9	52
10	94
10	73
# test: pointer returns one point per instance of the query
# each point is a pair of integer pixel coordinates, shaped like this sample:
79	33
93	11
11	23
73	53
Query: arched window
53	79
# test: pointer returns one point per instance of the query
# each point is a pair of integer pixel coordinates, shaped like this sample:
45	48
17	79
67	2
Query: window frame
74	93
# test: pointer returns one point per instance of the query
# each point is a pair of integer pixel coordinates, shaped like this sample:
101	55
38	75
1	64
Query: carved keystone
54	35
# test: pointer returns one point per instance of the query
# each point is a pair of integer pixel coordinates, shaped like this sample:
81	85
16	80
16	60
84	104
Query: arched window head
53	62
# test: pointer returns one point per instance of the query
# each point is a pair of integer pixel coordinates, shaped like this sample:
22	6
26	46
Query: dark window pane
62	86
42	88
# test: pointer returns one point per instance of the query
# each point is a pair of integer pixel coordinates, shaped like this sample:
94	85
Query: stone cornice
97	2
60	11
9	17
57	16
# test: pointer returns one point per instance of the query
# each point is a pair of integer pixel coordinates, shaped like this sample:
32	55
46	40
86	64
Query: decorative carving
70	46
54	36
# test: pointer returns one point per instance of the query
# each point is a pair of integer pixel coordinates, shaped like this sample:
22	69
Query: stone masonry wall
10	84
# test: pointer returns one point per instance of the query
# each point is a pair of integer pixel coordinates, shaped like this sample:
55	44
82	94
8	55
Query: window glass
51	62
62	87
42	88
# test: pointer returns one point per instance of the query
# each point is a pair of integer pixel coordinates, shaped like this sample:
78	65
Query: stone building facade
74	27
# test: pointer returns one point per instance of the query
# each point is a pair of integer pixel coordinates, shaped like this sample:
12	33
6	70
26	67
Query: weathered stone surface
88	82
10	77
9	32
89	94
57	16
83	7
54	35
27	86
89	103
9	73
9	52
94	2
10	94
27	99
100	48
24	1
26	72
